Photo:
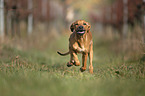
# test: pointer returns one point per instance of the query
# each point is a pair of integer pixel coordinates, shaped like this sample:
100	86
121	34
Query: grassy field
44	73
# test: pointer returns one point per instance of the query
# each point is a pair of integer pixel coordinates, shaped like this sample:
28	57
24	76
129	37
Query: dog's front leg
77	48
73	59
84	61
91	58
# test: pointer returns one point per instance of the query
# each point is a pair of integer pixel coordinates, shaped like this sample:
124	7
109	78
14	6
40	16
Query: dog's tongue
81	32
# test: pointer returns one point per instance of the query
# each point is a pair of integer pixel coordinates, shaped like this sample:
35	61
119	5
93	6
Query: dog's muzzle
80	30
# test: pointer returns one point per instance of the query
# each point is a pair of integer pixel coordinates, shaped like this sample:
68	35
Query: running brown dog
80	41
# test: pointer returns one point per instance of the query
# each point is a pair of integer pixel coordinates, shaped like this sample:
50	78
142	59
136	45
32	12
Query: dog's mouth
81	31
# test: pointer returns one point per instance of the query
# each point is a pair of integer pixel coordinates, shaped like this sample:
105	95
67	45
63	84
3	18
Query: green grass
44	73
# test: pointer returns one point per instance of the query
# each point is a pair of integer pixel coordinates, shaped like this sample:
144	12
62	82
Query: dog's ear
72	27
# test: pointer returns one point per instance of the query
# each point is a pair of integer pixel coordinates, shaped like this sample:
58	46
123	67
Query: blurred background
27	24
32	31
44	19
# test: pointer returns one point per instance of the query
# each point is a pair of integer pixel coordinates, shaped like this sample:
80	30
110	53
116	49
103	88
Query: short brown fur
80	44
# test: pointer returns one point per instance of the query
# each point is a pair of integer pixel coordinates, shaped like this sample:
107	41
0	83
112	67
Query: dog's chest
82	43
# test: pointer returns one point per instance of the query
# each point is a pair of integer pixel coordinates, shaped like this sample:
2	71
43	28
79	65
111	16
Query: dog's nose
80	27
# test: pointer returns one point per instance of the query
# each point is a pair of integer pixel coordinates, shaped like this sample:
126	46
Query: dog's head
80	27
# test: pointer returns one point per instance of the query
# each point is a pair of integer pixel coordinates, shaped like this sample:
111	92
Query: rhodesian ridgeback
80	41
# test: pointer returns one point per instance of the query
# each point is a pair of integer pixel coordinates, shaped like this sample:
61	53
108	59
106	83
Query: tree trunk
125	18
143	24
30	17
2	19
44	7
144	28
9	22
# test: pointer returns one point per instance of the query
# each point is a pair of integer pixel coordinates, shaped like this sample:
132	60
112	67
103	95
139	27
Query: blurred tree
124	13
15	20
30	17
15	11
44	7
2	19
125	18
144	21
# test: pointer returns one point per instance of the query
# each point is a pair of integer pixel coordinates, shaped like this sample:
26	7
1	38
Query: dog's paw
69	64
91	69
77	63
82	69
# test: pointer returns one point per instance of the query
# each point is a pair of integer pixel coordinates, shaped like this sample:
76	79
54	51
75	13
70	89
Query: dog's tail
63	54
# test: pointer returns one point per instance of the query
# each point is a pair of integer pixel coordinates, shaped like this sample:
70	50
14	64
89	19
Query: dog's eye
84	23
